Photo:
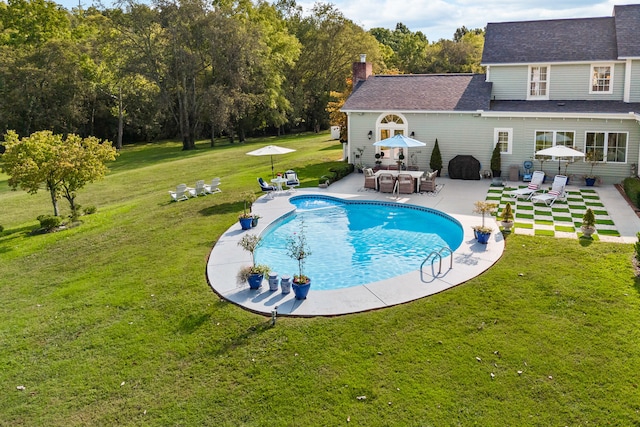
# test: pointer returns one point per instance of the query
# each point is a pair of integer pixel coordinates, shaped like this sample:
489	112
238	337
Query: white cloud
440	18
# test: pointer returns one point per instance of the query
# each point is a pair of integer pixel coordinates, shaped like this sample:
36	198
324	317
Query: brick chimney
361	70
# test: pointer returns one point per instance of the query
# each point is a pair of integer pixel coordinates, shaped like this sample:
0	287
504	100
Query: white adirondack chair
181	193
200	189
214	187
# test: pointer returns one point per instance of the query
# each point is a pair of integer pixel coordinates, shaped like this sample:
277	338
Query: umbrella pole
272	174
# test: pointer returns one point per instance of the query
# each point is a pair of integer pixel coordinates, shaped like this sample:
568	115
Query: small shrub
89	210
1	229
340	172
637	246
632	190
49	222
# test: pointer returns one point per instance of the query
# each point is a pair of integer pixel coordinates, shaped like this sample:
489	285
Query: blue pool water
357	242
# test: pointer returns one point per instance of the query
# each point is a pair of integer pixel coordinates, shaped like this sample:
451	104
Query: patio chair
428	181
266	188
200	188
370	181
406	184
181	193
292	180
386	183
214	187
556	192
534	186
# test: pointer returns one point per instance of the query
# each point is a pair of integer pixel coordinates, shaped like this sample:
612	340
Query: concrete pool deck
455	197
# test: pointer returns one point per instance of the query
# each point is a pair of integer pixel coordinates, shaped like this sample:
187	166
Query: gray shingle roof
627	29
588	39
421	92
611	107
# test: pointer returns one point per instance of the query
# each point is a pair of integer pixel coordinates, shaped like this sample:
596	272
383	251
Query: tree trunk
120	121
54	200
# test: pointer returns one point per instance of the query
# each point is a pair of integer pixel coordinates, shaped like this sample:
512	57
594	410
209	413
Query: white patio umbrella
270	150
399	141
559	151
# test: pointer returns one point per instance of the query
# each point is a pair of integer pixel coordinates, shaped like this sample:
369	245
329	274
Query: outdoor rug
562	219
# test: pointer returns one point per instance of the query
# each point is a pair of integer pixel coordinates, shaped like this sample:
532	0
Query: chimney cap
363	57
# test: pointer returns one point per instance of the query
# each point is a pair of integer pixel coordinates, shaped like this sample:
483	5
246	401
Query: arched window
387	126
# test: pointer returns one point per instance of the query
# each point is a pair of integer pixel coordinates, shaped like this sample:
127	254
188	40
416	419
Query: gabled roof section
421	92
561	40
627	20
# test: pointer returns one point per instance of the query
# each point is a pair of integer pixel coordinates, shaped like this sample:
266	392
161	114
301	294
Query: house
573	82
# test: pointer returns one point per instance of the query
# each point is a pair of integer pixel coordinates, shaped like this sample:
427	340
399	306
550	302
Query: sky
439	19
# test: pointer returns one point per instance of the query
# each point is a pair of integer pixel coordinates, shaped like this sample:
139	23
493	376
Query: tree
330	45
64	166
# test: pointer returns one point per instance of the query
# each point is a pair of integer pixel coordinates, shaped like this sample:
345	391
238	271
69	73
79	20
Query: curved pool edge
469	260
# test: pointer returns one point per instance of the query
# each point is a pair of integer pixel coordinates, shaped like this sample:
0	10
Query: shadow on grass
585	241
191	322
222	209
245	337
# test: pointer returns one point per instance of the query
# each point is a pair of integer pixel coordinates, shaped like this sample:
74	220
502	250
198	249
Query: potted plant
507	217
435	163
496	165
590	179
324	181
481	231
254	220
246	217
298	249
254	273
588	223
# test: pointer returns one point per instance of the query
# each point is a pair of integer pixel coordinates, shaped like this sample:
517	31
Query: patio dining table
414	174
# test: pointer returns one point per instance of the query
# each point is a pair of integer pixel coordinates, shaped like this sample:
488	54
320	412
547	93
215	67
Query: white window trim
606	146
509	131
393	157
555	138
544	97
597	92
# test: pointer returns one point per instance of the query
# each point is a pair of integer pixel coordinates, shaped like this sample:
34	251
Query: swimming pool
357	242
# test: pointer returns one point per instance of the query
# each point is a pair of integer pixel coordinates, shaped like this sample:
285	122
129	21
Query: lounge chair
556	192
534	187
181	193
370	181
406	184
200	189
386	183
292	180
214	187
266	188
428	181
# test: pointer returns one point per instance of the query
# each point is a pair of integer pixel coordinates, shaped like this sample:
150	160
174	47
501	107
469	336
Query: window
390	125
538	82
606	146
601	77
504	138
550	138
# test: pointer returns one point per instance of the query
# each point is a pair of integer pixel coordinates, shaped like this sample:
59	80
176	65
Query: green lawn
113	323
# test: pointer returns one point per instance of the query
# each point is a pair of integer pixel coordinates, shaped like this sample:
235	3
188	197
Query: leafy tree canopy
63	165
